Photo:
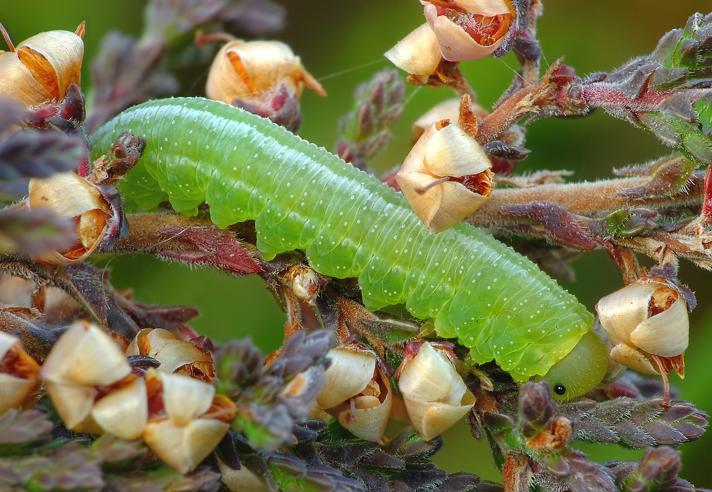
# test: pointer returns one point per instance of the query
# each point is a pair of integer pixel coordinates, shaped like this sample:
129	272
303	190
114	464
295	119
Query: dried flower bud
16	291
18	373
356	392
264	77
434	394
417	54
186	420
241	480
73	197
175	354
83	366
446	176
40	69
645	320
366	414
469	29
304	282
350	371
123	411
449	109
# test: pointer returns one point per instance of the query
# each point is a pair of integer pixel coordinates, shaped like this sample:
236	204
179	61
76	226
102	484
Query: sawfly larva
493	300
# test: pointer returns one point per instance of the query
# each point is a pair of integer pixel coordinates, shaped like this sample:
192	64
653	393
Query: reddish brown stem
666	381
191	241
530	68
203	38
7	38
516	473
626	261
707	197
506	114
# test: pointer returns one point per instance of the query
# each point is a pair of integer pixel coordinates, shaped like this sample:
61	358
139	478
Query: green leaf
288	482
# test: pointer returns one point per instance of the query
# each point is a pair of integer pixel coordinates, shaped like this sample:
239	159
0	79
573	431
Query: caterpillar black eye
559	389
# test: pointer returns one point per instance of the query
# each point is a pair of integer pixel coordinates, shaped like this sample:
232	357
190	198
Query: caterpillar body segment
301	197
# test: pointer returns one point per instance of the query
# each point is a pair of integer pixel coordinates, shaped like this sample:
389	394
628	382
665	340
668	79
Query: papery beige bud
632	358
73	402
449	110
183	447
250	70
304	283
40	69
123	412
434	394
71	196
356	392
16	291
417	54
82	360
85	355
18	373
351	370
446	176
487	22
241	480
174	353
366	414
649	317
186	432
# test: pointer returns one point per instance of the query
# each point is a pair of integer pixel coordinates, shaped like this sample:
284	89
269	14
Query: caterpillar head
580	371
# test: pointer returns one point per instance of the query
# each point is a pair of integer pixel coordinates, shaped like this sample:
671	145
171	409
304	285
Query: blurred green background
341	43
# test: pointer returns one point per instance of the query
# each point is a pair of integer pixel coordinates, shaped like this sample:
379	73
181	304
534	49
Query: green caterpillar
476	289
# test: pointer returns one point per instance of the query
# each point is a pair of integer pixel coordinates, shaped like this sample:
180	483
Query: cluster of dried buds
263	77
447	175
647	326
95	389
455	31
41	68
44	69
358	393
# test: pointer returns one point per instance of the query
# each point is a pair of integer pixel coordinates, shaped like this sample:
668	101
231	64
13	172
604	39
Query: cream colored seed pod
71	196
431	173
434	394
185	433
449	110
123	412
40	69
251	70
356	392
418	53
174	353
89	382
647	317
241	480
366	414
454	42
304	283
350	372
18	373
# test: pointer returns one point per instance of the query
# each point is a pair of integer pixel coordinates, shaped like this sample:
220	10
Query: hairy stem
194	241
584	198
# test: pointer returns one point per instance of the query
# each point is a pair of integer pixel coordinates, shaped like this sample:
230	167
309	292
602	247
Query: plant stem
583	198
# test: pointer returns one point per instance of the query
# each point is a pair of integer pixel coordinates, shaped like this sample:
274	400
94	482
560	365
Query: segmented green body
302	197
